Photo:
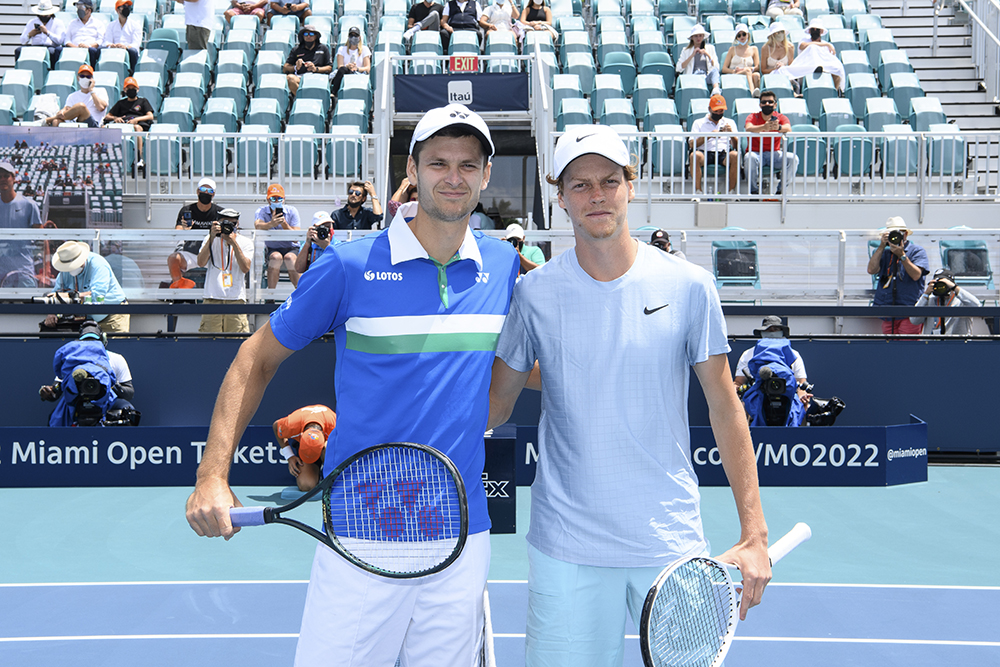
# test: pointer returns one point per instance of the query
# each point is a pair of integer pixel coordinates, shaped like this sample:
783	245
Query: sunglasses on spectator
275	200
356	192
206	190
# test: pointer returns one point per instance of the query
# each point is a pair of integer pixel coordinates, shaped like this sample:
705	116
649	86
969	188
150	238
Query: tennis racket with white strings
397	509
690	614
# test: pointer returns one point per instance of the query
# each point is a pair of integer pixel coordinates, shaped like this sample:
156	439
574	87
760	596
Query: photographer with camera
302	437
84	387
942	291
228	256
17	262
660	239
278	215
90	276
531	256
355	215
774	328
318	238
900	266
197	215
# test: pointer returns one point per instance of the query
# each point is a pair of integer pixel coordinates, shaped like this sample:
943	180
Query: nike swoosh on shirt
647	311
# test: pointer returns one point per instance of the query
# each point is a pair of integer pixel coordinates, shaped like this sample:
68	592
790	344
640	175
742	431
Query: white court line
820	640
77	638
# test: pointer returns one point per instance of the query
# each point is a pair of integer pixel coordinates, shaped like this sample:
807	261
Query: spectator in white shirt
719	150
125	33
87	105
228	256
44	30
86	31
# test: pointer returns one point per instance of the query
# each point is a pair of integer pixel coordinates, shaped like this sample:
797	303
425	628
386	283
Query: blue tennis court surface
110	577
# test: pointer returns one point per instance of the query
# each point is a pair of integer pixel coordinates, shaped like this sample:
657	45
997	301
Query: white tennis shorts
356	619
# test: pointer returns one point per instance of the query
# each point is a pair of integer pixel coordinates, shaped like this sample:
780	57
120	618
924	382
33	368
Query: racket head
689	616
397	509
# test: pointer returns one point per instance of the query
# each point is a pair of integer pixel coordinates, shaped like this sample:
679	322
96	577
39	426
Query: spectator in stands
132	110
125	33
86	30
199	17
290	8
777	52
901	267
89	275
721	150
197	215
538	16
44	30
942	291
256	8
660	239
743	58
302	437
424	15
352	58
778	8
275	214
354	215
460	15
87	105
406	192
531	256
766	152
773	327
318	238
816	54
17	263
228	256
502	15
308	56
698	57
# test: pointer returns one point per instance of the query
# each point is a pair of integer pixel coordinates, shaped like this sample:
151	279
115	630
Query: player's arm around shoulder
732	435
242	389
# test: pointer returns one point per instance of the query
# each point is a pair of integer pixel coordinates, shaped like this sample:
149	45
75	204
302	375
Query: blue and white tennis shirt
415	342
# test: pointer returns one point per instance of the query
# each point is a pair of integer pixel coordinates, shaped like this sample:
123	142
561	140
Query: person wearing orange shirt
302	436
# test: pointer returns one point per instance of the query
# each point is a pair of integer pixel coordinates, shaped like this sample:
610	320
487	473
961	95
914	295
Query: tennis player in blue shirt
616	327
416	311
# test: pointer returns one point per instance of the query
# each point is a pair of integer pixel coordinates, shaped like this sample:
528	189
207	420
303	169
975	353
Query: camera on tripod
58	298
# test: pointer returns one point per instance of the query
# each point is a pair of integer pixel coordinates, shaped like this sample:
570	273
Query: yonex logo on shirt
482	277
383	275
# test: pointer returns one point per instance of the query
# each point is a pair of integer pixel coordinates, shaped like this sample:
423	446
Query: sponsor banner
169	456
806	456
479	92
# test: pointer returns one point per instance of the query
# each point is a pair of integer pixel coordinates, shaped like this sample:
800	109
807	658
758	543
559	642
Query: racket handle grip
799	533
247	516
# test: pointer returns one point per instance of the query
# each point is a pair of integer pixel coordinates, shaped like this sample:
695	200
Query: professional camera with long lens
227	226
516	242
58	298
88	413
322	232
824	411
776	404
123	417
896	237
941	287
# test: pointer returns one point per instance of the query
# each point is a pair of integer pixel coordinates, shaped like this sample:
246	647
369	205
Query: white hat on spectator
896	222
207	181
817	25
777	27
70	256
515	231
44	8
698	29
321	217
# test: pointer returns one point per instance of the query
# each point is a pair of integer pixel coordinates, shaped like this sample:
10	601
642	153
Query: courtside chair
861	87
880	112
734	263
660	111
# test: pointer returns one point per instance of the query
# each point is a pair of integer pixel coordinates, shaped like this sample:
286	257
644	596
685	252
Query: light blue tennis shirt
614	485
97	278
409	367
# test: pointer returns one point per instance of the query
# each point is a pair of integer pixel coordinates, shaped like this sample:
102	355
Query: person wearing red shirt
766	151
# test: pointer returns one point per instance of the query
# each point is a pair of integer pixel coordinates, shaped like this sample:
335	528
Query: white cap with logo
515	231
436	120
586	139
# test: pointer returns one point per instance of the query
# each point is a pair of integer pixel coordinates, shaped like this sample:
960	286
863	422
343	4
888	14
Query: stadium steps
950	75
13	15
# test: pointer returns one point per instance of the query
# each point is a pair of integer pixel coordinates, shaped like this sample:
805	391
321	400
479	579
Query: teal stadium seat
277	40
197	62
178	111
301	151
880	112
573	111
815	8
698	109
542	37
344	152
351	113
672	7
659	63
853	156
833	22
581	64
836	111
734	264
245	22
647	87
151	87
193	86
647	42
855	62
7	105
60	83
811	151
851	8
660	111
842	40
618	111
945	151
426	42
877	40
744	108
620	63
463	42
925	112
968	260
274	86
153	60
315	86
268	62
796	110
861	87
208	153
290	22
816	88
689	87
890	62
71	58
734	87
747	8
308	112
233	62
254	151
564	86
777	84
36	60
244	40
164	39
178	24
113	60
708	7
903	87
111	83
900	151
606	86
221	112
163	150
611	42
574	42
232	86
669	152
265	111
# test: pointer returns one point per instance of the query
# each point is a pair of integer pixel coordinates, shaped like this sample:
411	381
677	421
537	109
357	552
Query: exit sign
464	63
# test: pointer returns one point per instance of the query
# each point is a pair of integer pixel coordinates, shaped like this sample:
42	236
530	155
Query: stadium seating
618	111
659	63
36	60
659	111
19	83
811	151
669	153
164	39
344	152
265	111
734	86
153	60
926	112
308	112
620	63
113	60
899	151
903	87
191	85
606	86
163	148
351	113
853	156
856	62
60	83
581	64
301	150
689	87
777	84
968	260
573	111
796	110
564	86
946	152
836	111
816	88
274	86
879	113
253	151
861	87
890	62
178	111
220	112
647	87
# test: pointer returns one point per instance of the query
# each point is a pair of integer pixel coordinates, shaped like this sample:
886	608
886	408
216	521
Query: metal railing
985	15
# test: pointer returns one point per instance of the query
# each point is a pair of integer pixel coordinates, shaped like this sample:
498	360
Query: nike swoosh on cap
647	311
586	136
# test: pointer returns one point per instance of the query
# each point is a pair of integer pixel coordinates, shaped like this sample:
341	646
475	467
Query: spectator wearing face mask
44	30
718	146
309	56
87	105
197	215
766	151
352	58
743	58
276	214
772	327
86	30
125	33
132	110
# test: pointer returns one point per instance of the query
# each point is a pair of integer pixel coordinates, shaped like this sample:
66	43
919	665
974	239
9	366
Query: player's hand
755	567
294	465
208	509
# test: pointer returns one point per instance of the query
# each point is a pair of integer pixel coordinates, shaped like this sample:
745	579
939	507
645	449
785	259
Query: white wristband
287	452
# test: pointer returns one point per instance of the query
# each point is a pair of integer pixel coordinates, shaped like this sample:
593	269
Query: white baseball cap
515	231
319	217
207	181
585	139
436	120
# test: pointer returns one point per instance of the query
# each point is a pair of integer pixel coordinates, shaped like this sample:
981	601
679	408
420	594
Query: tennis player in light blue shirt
615	327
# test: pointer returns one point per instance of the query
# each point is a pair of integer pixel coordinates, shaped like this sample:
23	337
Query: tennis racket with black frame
397	509
690	614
